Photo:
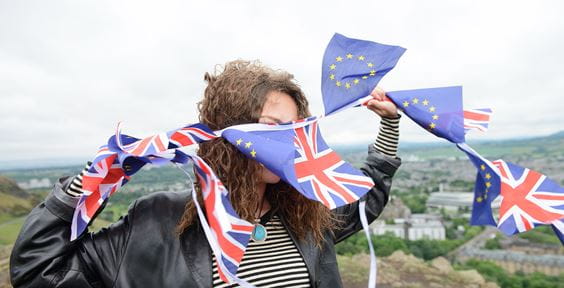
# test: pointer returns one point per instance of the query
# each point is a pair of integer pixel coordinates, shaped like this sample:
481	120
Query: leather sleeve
381	169
44	256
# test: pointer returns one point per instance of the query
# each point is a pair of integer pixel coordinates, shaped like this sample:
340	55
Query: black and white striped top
75	188
276	262
388	136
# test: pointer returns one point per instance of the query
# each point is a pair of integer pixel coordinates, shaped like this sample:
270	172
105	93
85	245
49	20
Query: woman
160	243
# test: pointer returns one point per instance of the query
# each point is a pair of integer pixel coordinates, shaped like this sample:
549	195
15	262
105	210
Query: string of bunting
297	153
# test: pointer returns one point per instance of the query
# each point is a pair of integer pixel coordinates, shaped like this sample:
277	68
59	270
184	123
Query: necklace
259	232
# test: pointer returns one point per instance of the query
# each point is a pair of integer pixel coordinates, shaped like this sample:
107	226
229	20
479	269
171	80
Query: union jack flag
227	234
477	119
190	135
322	174
528	199
102	180
302	159
152	145
122	157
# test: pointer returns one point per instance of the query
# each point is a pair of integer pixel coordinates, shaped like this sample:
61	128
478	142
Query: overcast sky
70	71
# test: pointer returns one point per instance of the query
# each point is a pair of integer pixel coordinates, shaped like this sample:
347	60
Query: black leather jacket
141	250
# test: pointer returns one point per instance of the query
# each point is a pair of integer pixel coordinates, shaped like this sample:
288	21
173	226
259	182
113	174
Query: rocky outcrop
401	270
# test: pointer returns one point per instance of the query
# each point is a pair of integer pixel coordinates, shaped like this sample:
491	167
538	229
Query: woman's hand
381	104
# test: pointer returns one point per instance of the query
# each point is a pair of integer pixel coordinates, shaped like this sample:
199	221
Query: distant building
454	201
426	226
36	183
380	228
417	226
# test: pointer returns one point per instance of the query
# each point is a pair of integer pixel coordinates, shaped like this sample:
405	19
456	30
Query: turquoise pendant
259	233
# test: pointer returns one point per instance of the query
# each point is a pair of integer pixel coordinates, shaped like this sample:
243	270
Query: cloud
70	71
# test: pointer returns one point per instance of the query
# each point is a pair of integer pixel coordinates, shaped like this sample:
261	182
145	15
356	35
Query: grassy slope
10	229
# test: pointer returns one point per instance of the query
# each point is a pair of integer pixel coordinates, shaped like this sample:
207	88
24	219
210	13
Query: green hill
9	186
14	201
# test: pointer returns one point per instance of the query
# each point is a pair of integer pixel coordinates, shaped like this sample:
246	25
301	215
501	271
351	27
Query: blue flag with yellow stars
486	189
352	68
274	149
437	110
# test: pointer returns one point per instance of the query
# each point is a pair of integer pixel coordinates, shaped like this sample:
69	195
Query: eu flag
486	189
437	110
273	149
352	68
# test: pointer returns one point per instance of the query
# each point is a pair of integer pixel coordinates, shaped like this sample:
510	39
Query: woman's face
278	108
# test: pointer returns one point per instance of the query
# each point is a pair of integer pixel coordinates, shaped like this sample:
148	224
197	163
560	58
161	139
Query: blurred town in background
422	239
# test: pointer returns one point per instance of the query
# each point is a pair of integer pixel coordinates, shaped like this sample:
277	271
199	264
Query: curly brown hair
235	95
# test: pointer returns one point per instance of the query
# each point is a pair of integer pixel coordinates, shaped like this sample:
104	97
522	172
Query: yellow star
415	100
339	58
372	72
478	199
364	77
355	81
432	109
425	102
254	153
338	83
361	58
488	176
349	56
405	103
432	125
347	85
483	167
435	117
248	144
333	66
488	184
370	64
332	76
239	141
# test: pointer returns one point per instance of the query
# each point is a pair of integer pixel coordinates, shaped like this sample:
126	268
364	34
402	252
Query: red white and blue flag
528	199
190	135
226	232
122	157
477	119
103	179
321	172
298	154
302	159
